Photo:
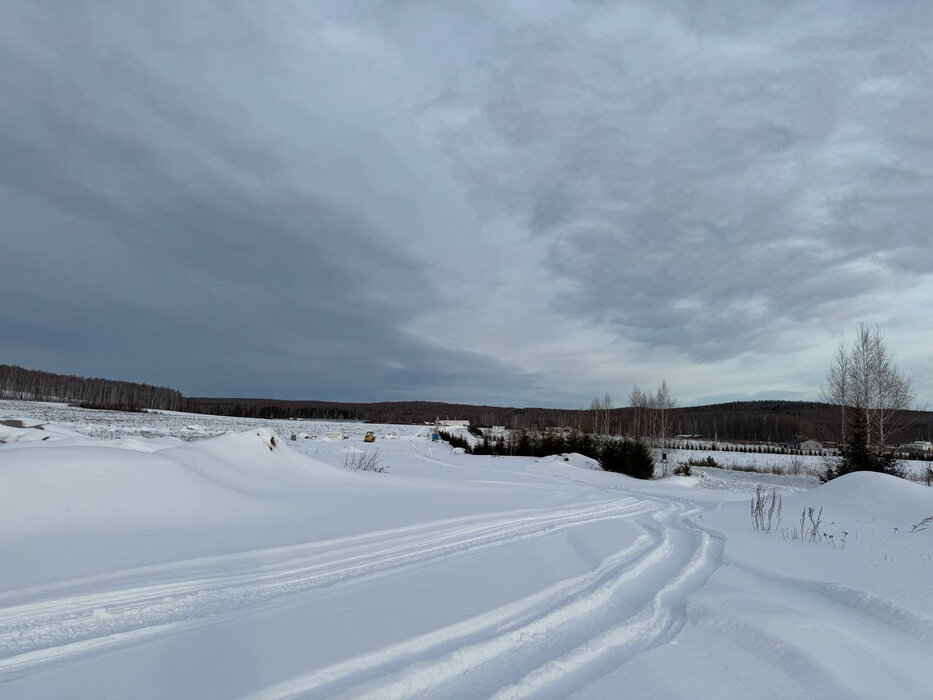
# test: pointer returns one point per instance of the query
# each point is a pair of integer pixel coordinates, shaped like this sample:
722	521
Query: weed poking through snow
764	508
364	462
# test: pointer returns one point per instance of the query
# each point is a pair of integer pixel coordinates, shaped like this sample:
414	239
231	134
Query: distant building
807	445
453	424
918	447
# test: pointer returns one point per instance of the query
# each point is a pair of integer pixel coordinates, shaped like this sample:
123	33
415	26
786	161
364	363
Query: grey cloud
157	226
259	198
704	146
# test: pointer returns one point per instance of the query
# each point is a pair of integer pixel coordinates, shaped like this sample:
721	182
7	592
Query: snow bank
13	430
99	486
868	497
573	459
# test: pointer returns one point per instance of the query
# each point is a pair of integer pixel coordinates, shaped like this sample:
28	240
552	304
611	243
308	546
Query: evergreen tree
857	455
630	457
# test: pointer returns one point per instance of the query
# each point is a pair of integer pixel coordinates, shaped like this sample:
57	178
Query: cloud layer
524	202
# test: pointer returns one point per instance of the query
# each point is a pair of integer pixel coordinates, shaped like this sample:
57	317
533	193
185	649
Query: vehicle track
55	628
552	641
821	637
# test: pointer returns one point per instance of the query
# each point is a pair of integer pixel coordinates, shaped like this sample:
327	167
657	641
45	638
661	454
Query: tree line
90	392
650	413
750	421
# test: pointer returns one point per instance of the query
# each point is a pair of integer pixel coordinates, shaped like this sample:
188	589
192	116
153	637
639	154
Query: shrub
455	440
707	462
122	407
630	457
364	462
683	469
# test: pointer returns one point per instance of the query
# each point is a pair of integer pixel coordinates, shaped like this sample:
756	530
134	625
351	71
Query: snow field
232	566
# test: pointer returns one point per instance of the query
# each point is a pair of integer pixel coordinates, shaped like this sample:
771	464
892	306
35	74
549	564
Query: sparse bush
364	462
707	462
103	406
764	508
809	528
683	469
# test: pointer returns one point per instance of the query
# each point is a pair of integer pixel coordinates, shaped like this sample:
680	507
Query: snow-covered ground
108	425
150	564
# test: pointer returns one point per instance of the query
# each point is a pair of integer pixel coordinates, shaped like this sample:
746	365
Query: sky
510	203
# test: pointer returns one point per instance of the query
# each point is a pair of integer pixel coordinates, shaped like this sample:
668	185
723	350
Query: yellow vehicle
369	437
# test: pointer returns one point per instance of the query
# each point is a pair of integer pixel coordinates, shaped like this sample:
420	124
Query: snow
142	562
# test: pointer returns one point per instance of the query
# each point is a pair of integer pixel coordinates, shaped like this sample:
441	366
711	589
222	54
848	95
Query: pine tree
857	455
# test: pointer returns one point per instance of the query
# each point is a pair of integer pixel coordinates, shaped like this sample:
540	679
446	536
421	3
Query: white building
453	424
921	446
808	446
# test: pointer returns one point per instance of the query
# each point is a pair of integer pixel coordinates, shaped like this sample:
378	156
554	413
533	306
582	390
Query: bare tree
652	419
664	403
892	394
640	401
838	390
864	376
607	410
600	407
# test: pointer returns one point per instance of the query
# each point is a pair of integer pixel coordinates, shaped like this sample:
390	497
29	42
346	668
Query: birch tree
864	376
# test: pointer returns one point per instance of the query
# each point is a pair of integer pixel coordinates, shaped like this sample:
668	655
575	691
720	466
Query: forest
748	421
87	392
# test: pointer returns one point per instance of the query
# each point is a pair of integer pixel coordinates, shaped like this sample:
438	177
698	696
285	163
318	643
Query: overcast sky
521	203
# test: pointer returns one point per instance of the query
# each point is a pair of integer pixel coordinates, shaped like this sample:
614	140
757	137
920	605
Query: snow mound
257	458
868	497
142	445
677	480
20	422
573	459
99	485
30	430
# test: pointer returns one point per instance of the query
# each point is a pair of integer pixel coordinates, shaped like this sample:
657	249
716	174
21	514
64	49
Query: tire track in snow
837	650
869	605
353	672
656	623
832	640
270	558
630	603
51	630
